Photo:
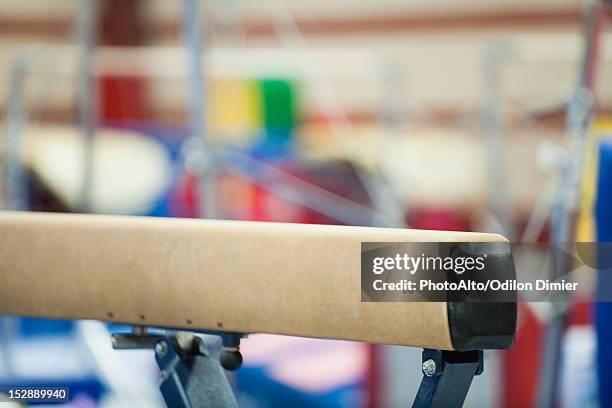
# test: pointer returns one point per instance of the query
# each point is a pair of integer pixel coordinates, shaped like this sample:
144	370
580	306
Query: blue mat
603	310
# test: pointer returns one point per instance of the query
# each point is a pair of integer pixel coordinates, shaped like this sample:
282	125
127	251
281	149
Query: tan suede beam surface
252	277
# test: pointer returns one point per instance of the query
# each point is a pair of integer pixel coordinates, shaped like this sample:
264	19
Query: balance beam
229	276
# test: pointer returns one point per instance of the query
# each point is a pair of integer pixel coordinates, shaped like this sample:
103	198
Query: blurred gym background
474	115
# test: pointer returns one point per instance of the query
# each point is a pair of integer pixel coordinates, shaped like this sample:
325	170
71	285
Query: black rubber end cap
484	323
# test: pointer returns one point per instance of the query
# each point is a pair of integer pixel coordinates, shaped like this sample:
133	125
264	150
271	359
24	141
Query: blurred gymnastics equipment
129	170
86	32
76	168
197	148
560	205
325	202
197	157
579	115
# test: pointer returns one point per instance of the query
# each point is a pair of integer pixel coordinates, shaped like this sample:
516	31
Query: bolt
429	367
161	348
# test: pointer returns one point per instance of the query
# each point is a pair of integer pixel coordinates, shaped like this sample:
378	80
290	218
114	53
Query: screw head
161	348
429	367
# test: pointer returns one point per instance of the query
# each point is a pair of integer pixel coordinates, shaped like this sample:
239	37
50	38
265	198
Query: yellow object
235	108
585	227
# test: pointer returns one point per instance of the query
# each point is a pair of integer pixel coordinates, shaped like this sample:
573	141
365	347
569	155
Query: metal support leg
447	376
190	376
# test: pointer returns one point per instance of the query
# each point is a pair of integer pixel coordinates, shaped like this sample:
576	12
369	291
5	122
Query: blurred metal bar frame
202	161
299	191
379	191
86	36
197	104
496	53
15	193
565	210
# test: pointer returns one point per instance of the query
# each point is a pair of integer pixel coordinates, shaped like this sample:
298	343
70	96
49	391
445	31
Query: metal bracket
191	377
447	376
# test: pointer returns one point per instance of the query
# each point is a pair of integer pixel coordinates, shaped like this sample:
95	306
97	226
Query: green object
279	107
